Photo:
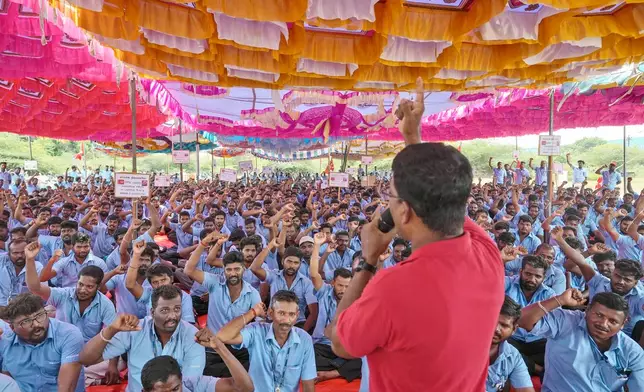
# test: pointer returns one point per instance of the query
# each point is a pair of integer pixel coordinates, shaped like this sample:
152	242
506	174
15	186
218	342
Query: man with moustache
306	249
587	351
289	279
83	306
506	364
228	297
161	333
61	239
528	288
40	353
281	355
329	365
68	267
13	273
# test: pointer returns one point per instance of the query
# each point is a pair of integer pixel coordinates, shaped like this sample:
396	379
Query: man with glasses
41	354
161	333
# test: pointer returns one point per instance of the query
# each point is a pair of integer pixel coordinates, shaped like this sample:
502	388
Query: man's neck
18	268
289	279
234	289
281	338
528	294
603	345
164	337
494	352
81	260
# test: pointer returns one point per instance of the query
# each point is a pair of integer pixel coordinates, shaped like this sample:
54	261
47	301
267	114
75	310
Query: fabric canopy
454	45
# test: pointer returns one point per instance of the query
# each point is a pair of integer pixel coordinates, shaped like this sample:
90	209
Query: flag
80	155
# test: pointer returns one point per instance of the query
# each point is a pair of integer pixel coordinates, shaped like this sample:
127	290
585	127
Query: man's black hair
436	189
165	292
159	270
292	251
526	218
611	301
69	224
511	309
54	220
250	221
507	237
93	272
233	257
601	257
342	273
247	241
574	243
534	262
629	267
159	369
24	304
284	296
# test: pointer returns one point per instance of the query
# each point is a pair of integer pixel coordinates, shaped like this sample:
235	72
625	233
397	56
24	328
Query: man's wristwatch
363	265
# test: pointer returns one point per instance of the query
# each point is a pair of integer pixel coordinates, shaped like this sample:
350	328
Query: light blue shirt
272	366
327	305
187	312
198	383
364	381
6	176
627	248
250	278
125	301
184	239
521	174
302	287
114	259
49	244
221	310
610	180
575	363
104	242
67	268
540	175
335	261
35	368
513	290
508	365
11	284
7	384
635	298
531	242
234	221
499	174
197	289
100	311
144	345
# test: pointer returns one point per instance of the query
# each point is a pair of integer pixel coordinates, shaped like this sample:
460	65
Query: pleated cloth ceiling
454	45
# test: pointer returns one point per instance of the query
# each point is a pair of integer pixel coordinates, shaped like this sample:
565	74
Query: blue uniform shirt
575	363
7	384
327	305
11	284
35	368
67	268
198	384
125	301
610	180
530	242
197	289
272	366
335	261
513	290
221	310
99	312
104	242
144	345
302	287
635	298
508	365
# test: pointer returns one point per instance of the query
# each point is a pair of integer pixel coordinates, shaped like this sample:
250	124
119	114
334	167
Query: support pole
133	109
181	147
366	153
85	161
212	166
550	130
624	166
197	149
31	154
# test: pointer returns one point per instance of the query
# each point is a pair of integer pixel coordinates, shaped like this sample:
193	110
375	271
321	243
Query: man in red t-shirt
426	323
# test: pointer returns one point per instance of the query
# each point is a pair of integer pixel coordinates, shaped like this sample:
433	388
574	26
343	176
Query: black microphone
386	222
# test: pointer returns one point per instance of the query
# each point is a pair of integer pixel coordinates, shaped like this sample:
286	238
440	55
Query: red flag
80	155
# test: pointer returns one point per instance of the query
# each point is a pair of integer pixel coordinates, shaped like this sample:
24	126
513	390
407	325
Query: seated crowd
239	295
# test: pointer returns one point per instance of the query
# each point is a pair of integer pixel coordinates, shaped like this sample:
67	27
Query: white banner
180	156
131	185
228	175
246	165
549	145
31	165
339	179
367	160
162	181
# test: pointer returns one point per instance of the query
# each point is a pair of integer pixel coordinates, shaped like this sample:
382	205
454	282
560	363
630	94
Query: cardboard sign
228	175
31	165
352	170
131	185
367	160
368	181
180	156
162	181
246	165
339	179
549	145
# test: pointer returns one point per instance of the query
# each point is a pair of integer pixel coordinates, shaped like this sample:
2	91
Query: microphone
386	222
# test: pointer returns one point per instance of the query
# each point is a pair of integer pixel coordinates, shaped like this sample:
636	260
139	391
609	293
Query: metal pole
197	148
550	129
84	160
181	144
31	154
212	165
624	166
366	153
133	109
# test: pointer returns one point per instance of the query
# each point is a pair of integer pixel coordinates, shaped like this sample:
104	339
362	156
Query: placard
339	179
352	170
162	181
228	175
368	181
267	170
180	156
246	165
31	165
324	184
549	145
366	160
131	185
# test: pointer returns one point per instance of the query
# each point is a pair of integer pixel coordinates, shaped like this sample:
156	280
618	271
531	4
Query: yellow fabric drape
171	19
266	10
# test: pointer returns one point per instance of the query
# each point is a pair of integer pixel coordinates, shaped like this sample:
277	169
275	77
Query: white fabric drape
565	50
342	9
250	32
195	46
406	50
326	68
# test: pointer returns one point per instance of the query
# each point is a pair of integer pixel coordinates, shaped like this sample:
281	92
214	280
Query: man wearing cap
611	177
580	173
306	248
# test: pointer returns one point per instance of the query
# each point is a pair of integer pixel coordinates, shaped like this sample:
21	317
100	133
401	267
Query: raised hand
319	238
557	233
138	247
120	269
260	309
32	250
571	298
126	323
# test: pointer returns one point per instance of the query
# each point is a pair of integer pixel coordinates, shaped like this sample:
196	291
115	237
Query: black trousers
638	331
533	353
216	367
326	360
200	306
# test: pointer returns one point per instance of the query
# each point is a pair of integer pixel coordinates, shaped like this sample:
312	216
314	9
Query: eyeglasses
29	322
388	195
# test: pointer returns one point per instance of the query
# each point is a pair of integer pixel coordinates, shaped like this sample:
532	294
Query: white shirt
579	175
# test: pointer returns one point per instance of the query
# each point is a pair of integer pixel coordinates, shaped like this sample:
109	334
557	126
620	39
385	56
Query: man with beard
103	235
40	353
625	245
61	239
554	276
399	245
528	288
161	333
525	238
280	355
624	281
228	297
586	350
605	263
158	275
337	255
306	249
13	273
233	219
220	222
506	364
289	279
68	267
250	248
329	365
83	306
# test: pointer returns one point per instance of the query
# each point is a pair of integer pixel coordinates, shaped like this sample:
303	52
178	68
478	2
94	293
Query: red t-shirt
427	323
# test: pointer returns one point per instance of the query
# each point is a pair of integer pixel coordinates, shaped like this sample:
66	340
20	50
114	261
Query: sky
569	136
